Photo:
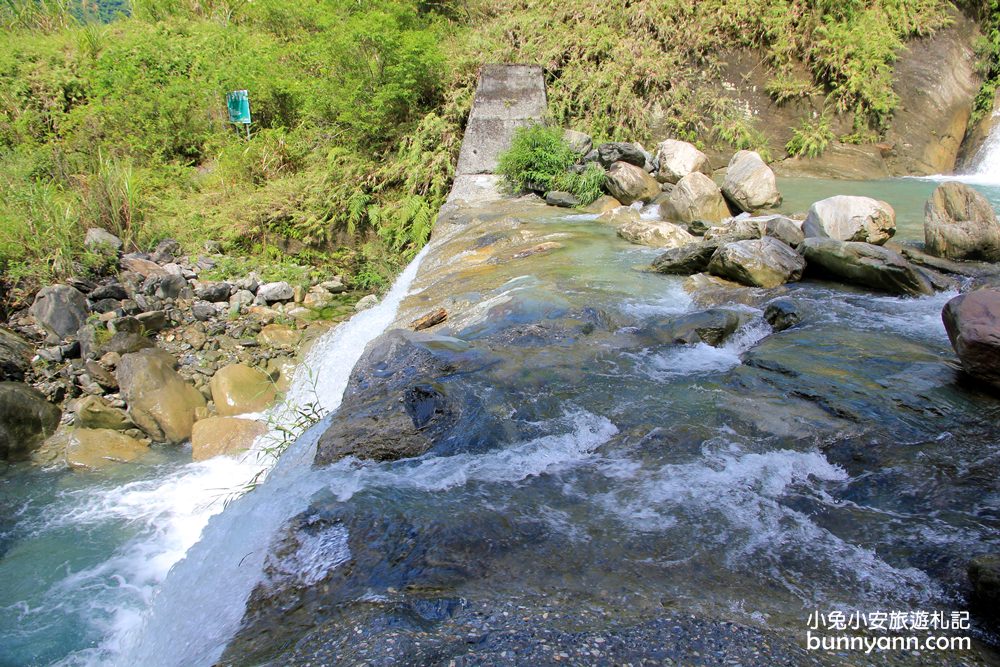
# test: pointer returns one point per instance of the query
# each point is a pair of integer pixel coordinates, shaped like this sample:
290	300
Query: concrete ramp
507	97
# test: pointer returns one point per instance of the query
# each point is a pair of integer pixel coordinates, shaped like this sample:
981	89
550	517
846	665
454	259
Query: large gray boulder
580	142
655	233
60	309
628	183
686	260
960	224
100	240
864	264
972	321
695	197
26	420
15	355
850	218
159	401
750	183
764	262
621	151
677	159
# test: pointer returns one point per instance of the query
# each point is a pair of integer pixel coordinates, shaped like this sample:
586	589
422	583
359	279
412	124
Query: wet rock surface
973	324
960	224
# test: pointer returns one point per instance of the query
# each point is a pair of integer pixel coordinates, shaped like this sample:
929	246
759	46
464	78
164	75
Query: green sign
238	102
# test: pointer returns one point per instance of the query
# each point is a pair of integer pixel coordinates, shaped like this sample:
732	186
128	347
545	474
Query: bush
810	139
540	159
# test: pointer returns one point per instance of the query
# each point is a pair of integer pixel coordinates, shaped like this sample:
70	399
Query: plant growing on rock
540	159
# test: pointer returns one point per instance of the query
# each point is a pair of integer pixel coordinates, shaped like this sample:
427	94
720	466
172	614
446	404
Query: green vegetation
988	50
810	139
540	159
359	106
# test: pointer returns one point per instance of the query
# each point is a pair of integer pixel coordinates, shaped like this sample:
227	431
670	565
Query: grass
810	139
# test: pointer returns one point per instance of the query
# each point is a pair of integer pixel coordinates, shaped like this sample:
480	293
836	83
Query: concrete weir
507	97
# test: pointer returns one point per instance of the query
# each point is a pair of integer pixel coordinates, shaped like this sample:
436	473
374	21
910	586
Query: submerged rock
848	218
677	159
750	183
159	401
655	233
959	223
973	324
26	419
90	448
408	393
628	183
764	262
984	575
864	264
782	314
696	197
712	327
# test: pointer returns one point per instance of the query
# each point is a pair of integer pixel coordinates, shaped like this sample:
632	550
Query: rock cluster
97	370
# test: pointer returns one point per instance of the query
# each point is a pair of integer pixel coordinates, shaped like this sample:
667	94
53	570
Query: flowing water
839	464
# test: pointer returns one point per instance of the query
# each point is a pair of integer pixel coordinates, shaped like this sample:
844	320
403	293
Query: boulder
959	223
100	240
712	327
114	291
15	355
750	183
621	151
686	260
90	449
170	286
628	183
764	262
26	420
602	204
203	311
737	229
366	302
784	229
166	250
272	292
238	389
60	309
279	335
561	198
972	321
318	298
224	436
95	412
655	233
159	401
580	142
864	264
213	292
849	218
142	266
696	197
677	159
781	314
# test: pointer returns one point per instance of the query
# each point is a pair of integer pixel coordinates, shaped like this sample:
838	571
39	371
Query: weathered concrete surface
508	97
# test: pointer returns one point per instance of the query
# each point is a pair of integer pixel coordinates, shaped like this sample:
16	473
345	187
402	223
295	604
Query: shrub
537	157
810	139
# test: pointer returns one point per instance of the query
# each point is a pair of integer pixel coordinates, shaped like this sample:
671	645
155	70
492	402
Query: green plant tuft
810	139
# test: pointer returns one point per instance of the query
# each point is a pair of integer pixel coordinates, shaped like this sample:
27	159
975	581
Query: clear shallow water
635	477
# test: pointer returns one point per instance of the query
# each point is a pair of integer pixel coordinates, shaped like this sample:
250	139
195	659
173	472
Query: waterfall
986	169
196	565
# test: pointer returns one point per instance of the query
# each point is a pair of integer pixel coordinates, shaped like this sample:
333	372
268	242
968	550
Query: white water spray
188	579
987	164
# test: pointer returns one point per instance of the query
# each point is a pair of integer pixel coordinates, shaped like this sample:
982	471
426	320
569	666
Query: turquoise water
906	195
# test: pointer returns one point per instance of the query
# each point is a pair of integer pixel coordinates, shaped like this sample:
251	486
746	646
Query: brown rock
143	267
430	319
628	183
239	389
224	436
159	401
973	324
279	335
960	224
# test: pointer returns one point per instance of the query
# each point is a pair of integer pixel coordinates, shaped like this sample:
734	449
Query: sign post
238	103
